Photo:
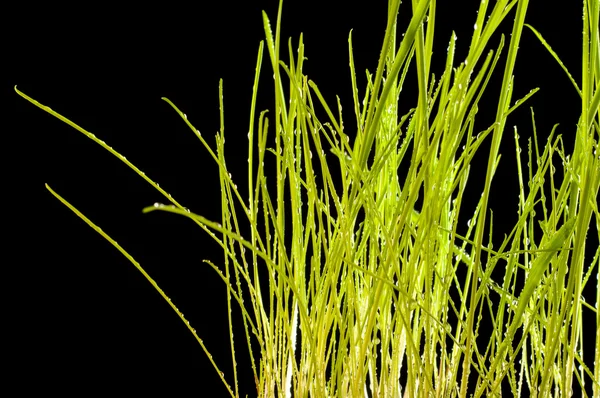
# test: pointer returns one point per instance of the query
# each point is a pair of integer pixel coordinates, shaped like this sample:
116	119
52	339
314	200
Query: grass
370	289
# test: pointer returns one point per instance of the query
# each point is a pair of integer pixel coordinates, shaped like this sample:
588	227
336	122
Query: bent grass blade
148	278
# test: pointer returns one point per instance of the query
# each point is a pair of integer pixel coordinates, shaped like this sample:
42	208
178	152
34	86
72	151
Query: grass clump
370	289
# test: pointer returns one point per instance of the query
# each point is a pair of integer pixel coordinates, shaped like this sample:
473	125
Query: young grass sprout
372	290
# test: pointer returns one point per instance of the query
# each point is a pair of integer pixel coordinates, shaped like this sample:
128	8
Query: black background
81	317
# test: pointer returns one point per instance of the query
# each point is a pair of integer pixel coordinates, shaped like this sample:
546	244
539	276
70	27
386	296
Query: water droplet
475	27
